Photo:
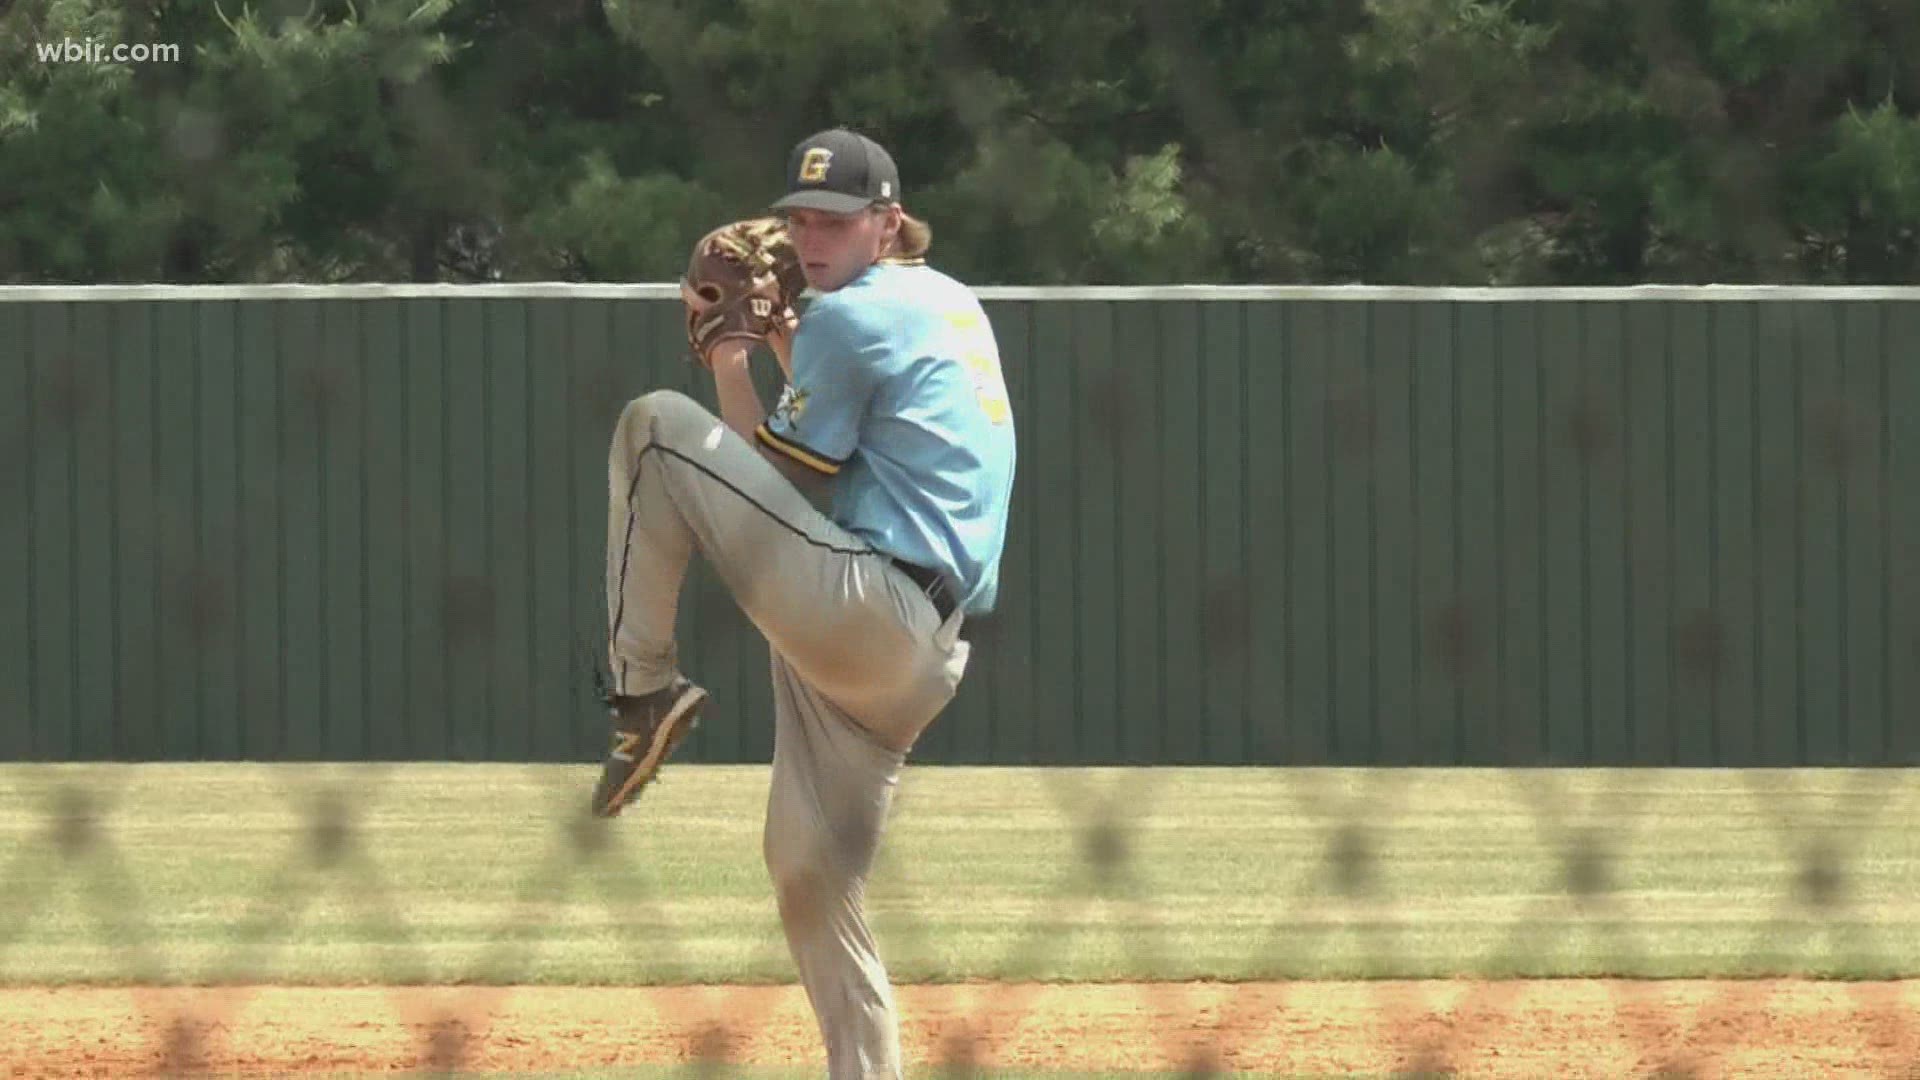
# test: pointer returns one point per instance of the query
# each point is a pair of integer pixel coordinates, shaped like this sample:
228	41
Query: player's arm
838	353
743	411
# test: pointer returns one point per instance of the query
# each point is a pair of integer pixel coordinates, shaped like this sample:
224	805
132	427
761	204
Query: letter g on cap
813	166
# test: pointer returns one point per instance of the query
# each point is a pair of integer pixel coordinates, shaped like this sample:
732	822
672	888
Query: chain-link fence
71	850
1422	143
1733	888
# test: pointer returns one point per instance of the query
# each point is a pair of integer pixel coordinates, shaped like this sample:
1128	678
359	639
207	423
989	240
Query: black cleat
645	731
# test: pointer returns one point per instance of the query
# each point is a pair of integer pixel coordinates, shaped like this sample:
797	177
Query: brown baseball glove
741	283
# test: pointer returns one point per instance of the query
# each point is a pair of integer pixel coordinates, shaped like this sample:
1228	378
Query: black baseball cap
841	172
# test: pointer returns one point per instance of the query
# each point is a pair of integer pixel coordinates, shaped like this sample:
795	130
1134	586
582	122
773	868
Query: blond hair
910	244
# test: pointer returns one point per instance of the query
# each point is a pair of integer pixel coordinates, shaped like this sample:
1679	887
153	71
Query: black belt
931	582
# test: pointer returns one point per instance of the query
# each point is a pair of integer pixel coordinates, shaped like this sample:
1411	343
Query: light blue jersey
897	394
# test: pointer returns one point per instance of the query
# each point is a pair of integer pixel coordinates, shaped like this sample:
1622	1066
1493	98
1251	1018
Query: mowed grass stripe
489	873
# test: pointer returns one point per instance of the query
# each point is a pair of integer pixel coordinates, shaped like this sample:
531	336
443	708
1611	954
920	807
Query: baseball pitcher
896	417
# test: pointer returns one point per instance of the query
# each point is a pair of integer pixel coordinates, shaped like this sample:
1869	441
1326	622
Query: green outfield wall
1658	526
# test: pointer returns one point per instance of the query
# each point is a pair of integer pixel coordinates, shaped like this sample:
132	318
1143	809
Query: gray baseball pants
861	665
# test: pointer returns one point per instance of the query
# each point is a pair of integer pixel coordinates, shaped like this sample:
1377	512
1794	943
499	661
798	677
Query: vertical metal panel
424	659
1518	417
178	513
92	479
1778	509
137	509
383	401
1134	414
258	573
1183	674
1436	612
1055	585
1396	534
54	536
340	416
1825	717
509	523
1470	631
211	588
1597	434
1223	497
1308	713
1565	554
1266	489
1650	521
1351	536
552	698
469	602
1732	651
1693	591
1093	499
1853	429
306	417
1009	644
18	436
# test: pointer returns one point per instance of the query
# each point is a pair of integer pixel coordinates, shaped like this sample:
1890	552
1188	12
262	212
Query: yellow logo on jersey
982	359
813	166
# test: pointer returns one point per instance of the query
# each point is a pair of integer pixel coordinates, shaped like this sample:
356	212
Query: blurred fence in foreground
322	874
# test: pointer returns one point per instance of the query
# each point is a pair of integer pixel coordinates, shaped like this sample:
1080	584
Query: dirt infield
1557	1028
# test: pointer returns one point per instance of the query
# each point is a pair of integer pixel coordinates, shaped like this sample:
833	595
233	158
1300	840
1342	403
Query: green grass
474	873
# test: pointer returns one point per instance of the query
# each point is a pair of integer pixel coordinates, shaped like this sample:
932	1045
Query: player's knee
794	863
643	410
776	848
661	413
799	897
